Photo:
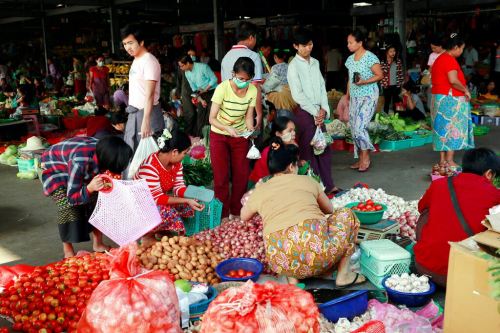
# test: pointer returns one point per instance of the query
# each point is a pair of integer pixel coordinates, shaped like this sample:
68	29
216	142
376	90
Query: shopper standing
471	57
232	112
308	90
202	80
246	35
100	84
362	96
392	68
450	111
185	91
333	63
145	114
437	49
56	75
79	74
88	65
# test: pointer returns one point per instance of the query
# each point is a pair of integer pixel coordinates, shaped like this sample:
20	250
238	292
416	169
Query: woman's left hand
360	82
195	205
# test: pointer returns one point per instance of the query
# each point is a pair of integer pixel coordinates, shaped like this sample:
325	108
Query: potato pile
184	257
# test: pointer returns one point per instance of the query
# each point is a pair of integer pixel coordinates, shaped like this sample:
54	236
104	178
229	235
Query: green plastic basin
368	217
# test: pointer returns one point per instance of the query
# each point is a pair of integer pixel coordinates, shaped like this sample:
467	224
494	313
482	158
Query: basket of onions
410	290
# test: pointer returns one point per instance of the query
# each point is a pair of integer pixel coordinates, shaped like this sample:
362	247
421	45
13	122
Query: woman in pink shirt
437	49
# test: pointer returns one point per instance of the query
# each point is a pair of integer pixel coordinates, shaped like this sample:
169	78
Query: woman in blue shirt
362	95
203	81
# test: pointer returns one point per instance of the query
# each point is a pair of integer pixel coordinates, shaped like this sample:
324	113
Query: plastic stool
476	119
36	130
490	121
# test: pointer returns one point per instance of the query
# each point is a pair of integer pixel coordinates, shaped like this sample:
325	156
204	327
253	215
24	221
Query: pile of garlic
406	283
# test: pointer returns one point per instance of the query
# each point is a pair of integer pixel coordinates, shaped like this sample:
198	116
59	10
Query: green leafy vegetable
198	174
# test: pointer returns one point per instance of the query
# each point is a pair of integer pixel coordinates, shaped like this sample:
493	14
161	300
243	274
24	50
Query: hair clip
453	35
275	146
165	136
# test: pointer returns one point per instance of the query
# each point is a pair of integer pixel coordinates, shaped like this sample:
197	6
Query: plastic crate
395	145
209	218
417	141
490	121
339	144
26	165
381	258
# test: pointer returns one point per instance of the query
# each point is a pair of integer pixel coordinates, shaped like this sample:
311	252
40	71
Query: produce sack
146	147
253	153
134	299
318	142
254	308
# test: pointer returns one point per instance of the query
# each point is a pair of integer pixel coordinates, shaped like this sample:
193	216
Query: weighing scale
380	230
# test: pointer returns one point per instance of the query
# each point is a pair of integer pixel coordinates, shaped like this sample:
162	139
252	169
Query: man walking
308	90
246	35
145	114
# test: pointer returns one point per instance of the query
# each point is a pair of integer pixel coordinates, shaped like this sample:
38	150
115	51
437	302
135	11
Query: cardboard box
468	305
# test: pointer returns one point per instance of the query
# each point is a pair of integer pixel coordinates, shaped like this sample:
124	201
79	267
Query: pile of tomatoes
368	206
53	298
240	273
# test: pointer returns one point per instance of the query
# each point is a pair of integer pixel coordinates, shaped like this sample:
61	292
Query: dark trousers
203	113
190	116
391	92
333	80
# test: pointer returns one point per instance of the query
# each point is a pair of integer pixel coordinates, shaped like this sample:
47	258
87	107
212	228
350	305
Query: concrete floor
28	219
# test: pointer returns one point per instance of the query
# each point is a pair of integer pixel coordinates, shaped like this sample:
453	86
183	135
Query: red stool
36	130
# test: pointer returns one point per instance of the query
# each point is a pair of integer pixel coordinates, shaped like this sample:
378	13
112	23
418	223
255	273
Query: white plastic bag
319	142
253	153
146	147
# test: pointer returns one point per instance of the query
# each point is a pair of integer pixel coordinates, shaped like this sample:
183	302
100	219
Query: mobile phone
356	77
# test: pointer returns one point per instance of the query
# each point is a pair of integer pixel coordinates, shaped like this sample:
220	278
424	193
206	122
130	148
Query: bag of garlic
253	153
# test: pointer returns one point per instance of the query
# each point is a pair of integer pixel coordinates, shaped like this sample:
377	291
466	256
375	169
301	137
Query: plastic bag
183	306
89	97
146	147
318	142
373	326
270	307
396	320
253	153
134	299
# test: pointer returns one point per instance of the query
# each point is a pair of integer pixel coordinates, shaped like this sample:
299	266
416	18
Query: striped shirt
160	180
71	164
233	109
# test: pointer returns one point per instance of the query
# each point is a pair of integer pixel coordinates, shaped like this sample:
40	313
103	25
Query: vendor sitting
490	92
99	125
118	120
475	194
300	241
163	172
414	106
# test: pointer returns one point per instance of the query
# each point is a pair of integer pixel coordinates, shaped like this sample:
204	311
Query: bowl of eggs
409	289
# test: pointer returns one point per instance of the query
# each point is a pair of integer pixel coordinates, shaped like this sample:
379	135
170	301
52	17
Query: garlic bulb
408	283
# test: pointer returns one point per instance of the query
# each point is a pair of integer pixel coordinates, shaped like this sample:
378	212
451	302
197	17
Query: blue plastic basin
248	264
409	299
348	306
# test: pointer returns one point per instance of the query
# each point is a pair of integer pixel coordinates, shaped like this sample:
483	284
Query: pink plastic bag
396	320
132	300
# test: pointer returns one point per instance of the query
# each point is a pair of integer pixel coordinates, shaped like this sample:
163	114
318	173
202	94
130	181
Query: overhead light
246	17
60	5
361	4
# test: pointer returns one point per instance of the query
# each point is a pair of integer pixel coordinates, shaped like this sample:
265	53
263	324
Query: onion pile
238	239
408	225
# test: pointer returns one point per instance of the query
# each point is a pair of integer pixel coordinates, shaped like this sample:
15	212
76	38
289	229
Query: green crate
209	218
25	165
417	141
394	145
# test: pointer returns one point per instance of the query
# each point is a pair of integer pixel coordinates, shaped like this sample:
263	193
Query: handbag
424	216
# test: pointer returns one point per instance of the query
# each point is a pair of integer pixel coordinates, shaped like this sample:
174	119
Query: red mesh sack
132	300
9	273
270	307
373	326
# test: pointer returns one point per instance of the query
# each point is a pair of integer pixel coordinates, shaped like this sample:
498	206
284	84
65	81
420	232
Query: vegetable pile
184	257
396	206
397	123
368	206
408	225
10	155
238	239
336	127
199	173
379	133
54	297
406	283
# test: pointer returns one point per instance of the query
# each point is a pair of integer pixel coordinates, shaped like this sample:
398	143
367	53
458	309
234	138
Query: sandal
365	169
356	166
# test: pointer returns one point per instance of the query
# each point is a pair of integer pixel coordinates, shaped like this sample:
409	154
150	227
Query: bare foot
348	278
356	166
69	254
101	248
292	280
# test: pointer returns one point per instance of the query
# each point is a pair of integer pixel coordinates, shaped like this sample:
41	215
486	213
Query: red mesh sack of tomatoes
134	299
254	308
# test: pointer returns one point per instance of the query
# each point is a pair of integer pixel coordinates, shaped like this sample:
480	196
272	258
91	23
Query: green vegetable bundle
198	174
27	175
394	121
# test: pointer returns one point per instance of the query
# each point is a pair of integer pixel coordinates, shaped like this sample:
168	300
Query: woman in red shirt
475	195
450	107
100	84
163	172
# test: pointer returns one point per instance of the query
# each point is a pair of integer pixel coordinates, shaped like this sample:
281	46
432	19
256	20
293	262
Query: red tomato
17	326
4	330
378	207
249	273
361	205
241	273
370	202
232	273
363	209
369	207
42	317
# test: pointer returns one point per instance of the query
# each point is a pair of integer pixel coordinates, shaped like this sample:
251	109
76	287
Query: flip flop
367	168
355	166
348	285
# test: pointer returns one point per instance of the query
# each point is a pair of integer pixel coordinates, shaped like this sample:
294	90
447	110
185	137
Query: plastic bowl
369	217
235	264
200	308
348	306
409	299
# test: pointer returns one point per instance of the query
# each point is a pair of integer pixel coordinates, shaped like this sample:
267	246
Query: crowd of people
228	99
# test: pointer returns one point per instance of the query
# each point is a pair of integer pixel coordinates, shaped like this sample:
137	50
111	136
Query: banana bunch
124	69
111	68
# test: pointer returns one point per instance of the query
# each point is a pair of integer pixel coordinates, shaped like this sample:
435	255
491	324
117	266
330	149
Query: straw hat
33	143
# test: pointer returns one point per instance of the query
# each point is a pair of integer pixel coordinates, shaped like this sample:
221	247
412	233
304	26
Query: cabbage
3	158
27	175
11	150
11	160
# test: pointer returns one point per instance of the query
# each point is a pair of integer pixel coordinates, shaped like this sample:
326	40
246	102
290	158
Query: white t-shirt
146	68
470	57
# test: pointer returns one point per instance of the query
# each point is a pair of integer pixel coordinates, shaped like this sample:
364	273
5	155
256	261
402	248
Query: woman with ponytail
300	240
163	172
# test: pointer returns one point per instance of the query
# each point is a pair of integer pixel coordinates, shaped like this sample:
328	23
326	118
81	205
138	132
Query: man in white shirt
308	91
145	114
246	35
471	57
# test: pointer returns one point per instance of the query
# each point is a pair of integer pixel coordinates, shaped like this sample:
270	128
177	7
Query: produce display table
14	130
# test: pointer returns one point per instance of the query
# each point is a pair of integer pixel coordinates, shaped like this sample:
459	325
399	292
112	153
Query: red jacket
475	196
386	69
